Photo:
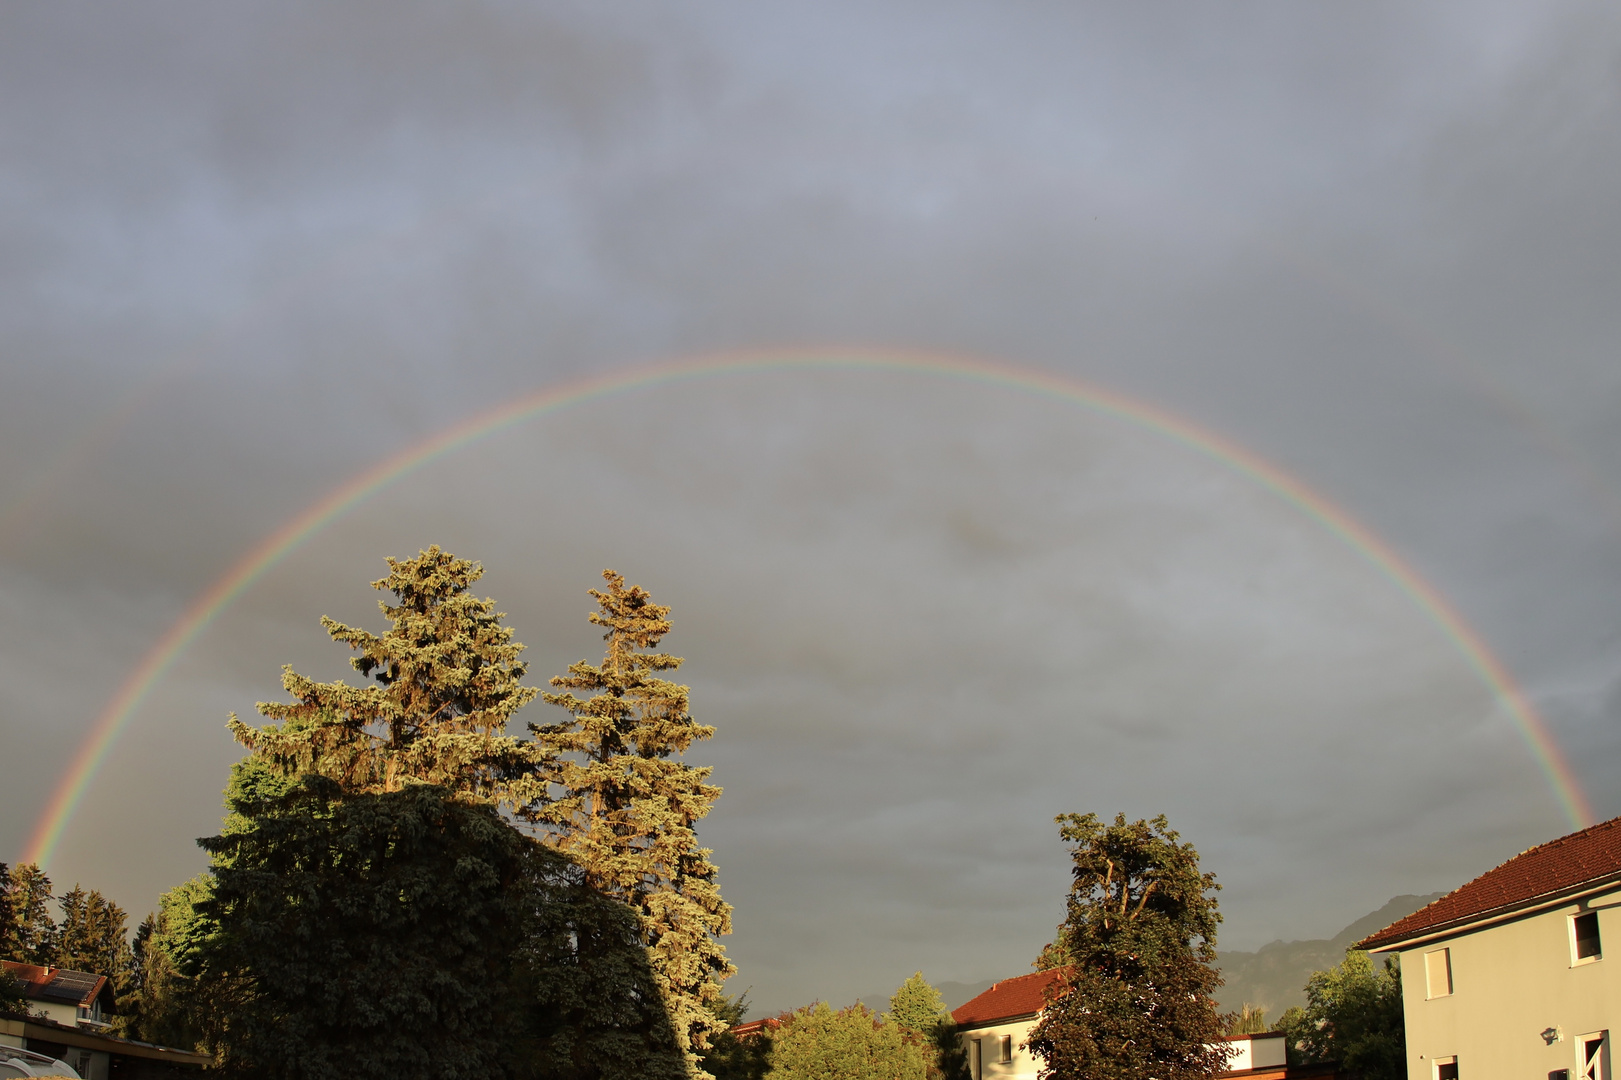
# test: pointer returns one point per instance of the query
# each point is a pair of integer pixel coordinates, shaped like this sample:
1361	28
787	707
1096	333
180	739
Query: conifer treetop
445	683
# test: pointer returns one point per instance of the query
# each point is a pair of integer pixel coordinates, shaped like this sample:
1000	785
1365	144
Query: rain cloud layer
247	251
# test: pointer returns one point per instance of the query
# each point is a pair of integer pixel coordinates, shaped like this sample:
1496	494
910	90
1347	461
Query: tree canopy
818	1043
1353	1015
445	682
30	932
1137	944
917	1006
374	904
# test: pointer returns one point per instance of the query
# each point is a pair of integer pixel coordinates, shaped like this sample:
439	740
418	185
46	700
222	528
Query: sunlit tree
622	804
1138	943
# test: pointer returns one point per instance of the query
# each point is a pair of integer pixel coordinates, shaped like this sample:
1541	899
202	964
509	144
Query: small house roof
1544	872
64	985
1010	999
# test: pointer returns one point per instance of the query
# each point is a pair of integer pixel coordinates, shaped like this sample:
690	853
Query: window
1446	1068
1438	972
1584	936
1594	1056
974	1058
1007	1049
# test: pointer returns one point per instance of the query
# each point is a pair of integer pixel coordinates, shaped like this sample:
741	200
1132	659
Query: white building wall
1510	982
1024	1065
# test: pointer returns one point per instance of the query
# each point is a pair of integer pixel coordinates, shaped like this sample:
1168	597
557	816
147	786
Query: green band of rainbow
116	716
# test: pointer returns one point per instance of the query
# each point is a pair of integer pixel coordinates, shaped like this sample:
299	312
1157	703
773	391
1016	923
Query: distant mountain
1274	976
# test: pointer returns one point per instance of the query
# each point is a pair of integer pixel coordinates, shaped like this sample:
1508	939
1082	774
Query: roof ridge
1575	859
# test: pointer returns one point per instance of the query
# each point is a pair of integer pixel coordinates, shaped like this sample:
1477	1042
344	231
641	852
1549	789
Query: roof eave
1372	942
975	1025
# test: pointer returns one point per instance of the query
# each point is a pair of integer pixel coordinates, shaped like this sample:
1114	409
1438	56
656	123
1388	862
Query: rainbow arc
213	601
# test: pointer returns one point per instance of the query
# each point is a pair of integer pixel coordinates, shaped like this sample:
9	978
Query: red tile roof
1545	872
1010	999
56	984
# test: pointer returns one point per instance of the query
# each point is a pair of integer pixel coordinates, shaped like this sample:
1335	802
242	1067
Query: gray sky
248	250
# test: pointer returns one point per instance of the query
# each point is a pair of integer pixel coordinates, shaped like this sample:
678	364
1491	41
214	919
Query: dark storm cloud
246	251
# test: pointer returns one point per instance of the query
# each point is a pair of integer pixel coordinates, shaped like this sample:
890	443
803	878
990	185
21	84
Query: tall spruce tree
92	936
622	805
33	931
445	682
1138	940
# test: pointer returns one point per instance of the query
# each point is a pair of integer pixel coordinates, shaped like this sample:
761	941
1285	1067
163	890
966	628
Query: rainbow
70	789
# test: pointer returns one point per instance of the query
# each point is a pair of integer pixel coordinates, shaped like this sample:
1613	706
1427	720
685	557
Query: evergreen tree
917	1006
371	934
365	826
1353	1015
170	1001
920	1010
446	681
92	936
621	805
1139	938
33	931
817	1043
11	992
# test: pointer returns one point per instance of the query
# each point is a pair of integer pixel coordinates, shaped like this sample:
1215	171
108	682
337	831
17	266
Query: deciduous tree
1353	1015
917	1006
817	1043
1139	941
622	805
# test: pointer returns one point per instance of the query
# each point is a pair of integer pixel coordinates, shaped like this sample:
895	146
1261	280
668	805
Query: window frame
1430	994
1439	1063
1603	1039
1575	959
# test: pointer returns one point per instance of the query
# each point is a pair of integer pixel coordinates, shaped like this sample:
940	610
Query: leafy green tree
817	1043
917	1006
32	931
621	804
445	683
169	1001
921	1012
728	1056
1353	1015
1139	938
92	936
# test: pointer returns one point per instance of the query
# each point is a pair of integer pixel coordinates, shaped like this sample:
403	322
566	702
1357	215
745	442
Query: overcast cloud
247	250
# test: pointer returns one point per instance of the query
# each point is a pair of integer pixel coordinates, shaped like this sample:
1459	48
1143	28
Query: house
67	1022
1506	976
74	998
995	1026
95	1055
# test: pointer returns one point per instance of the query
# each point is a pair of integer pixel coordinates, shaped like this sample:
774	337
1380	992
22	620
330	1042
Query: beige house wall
1024	1065
1511	981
